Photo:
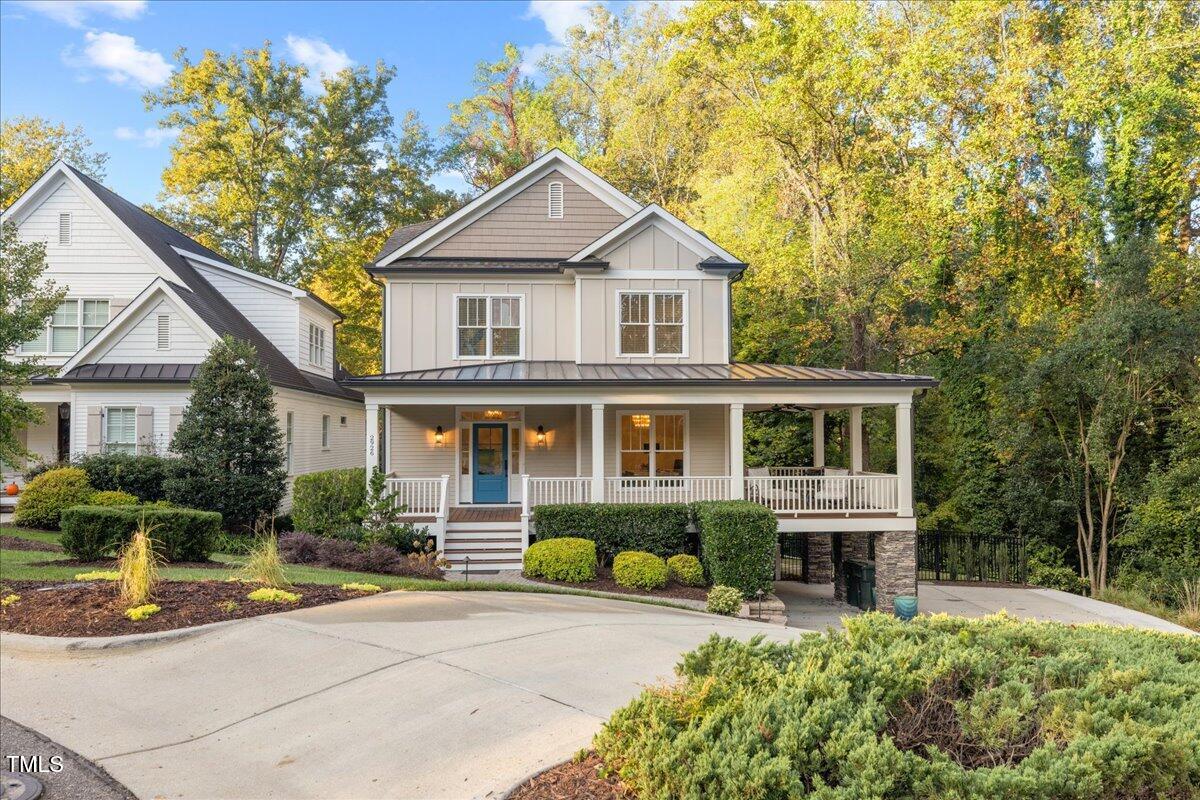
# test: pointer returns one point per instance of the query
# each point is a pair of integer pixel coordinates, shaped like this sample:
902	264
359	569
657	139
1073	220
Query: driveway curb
26	643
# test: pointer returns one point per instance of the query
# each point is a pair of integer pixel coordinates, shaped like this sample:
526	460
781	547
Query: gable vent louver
64	228
164	331
555	197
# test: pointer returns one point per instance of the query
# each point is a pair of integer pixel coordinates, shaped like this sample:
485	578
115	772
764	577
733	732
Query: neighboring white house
555	341
144	304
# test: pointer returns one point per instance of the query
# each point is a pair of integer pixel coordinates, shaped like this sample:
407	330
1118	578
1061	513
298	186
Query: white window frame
522	328
316	345
80	341
562	200
163	331
69	229
651	293
687	438
118	446
518	431
326	425
289	439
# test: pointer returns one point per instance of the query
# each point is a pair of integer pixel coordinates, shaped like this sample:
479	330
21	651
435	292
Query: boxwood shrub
180	534
113	497
940	707
686	570
326	502
659	528
141	476
565	559
737	543
637	570
43	499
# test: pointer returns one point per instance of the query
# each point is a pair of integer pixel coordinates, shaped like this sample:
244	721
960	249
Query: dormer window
316	345
555	200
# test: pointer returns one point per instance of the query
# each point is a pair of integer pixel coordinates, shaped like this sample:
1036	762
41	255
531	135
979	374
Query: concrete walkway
402	695
812	607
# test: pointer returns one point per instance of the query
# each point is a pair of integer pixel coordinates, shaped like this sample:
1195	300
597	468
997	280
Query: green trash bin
854	582
867	592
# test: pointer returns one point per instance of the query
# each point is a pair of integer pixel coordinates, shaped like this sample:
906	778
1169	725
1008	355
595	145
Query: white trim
69	229
49	327
104	420
633	226
468	496
135	307
637	396
651	325
562	203
326	430
163	332
687	439
523	328
555	159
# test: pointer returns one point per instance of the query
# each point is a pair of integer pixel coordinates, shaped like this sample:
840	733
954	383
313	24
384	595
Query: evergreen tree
231	449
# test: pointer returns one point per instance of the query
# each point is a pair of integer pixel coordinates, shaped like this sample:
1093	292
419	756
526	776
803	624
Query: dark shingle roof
405	234
446	264
203	298
553	373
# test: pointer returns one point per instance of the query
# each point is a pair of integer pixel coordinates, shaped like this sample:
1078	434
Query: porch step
492	545
468	528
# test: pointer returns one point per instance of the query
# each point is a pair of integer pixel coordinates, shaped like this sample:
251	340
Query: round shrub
42	502
724	600
686	570
113	498
634	569
566	559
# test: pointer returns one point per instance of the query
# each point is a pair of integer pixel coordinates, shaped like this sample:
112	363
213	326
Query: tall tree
26	304
29	145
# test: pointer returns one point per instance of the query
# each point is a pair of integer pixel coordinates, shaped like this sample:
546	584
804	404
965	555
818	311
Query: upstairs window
64	228
489	326
316	345
72	325
652	323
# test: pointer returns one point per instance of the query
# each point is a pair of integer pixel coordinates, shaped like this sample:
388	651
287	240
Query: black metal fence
966	557
793	552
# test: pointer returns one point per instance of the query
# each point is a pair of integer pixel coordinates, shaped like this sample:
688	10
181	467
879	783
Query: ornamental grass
137	565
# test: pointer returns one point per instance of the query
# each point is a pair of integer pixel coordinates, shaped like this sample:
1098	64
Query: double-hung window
652	323
72	325
653	445
289	441
316	345
120	430
325	422
488	326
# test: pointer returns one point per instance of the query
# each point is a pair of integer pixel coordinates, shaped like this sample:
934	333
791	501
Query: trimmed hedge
42	501
141	476
180	534
686	570
114	497
659	528
939	707
565	559
724	600
737	543
637	570
327	502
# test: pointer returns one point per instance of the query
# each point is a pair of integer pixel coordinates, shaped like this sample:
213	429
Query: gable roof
405	234
554	160
192	289
655	214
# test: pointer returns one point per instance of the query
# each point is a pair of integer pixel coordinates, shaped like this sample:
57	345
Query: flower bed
94	609
604	582
577	779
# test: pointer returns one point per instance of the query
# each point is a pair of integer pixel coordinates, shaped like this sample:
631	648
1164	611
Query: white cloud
148	137
122	61
531	56
559	16
320	58
76	12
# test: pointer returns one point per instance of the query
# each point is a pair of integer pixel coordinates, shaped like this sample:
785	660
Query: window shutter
164	331
64	228
94	419
145	429
175	415
555	197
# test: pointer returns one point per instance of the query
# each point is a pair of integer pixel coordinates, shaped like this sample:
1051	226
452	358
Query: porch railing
782	472
666	490
553	491
826	494
422	496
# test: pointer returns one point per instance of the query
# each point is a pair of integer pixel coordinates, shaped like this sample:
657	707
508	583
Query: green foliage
381	525
936	707
637	570
139	613
231	456
139	475
325	502
264	564
724	600
99	575
737	543
113	498
90	533
369	588
27	302
686	569
9	599
564	559
659	528
273	596
45	497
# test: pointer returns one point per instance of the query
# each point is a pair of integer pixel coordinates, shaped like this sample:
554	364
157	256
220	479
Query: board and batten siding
421	316
651	248
412	451
707	337
267	309
521	227
139	344
557	458
347	447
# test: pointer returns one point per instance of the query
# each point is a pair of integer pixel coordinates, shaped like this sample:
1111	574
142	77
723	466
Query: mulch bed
604	583
95	609
571	781
112	564
17	543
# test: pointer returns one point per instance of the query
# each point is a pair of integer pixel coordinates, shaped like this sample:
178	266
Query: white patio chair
834	491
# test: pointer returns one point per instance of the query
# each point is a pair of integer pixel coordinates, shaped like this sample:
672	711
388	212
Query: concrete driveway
437	694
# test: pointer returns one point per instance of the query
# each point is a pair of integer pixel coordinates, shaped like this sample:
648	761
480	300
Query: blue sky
88	62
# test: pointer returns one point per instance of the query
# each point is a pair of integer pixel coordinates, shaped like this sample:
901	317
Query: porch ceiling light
439	438
640	420
491	414
541	436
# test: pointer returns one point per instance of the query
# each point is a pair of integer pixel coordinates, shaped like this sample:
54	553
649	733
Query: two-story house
555	341
144	303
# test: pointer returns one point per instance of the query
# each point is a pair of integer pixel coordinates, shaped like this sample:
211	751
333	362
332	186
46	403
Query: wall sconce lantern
541	436
439	438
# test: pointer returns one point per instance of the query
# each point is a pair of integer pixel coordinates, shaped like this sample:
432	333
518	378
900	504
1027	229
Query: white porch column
737	459
904	458
372	440
856	433
597	452
818	419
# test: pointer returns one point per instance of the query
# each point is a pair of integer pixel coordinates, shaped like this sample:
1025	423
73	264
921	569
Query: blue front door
489	448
